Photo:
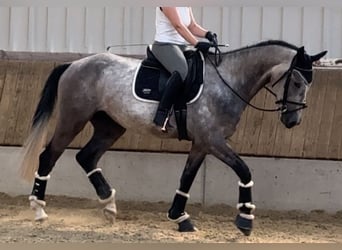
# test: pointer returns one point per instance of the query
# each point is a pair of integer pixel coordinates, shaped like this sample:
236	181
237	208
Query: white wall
91	26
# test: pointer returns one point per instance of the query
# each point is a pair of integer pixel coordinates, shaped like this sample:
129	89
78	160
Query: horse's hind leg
66	130
176	213
106	132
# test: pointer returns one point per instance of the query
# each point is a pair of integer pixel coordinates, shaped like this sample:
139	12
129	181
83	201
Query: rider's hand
203	47
212	37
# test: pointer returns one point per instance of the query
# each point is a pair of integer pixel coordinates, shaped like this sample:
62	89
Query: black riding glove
203	47
212	37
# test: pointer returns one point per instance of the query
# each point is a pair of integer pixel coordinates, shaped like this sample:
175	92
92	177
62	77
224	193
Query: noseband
284	101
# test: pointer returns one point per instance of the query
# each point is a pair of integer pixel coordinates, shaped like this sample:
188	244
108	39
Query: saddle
151	78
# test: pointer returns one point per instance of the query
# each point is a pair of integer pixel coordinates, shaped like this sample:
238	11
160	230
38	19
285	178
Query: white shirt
165	32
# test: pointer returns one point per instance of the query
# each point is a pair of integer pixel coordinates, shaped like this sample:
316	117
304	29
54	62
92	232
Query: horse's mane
264	43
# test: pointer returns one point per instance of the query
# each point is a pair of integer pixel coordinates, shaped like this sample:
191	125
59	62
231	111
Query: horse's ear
318	56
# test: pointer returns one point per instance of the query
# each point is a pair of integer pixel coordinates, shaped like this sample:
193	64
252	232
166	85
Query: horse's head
290	85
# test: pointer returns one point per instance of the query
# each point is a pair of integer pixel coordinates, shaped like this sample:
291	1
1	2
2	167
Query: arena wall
258	134
280	184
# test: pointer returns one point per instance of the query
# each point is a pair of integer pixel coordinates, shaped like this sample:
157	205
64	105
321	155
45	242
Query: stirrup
163	128
161	119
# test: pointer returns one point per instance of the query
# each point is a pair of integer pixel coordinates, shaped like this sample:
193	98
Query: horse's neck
248	68
243	74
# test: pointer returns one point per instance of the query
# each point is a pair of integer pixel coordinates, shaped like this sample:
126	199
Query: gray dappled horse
98	89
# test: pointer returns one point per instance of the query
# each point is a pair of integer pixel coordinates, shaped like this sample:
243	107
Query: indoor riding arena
297	172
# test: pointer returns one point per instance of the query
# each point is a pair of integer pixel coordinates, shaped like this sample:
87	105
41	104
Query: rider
176	28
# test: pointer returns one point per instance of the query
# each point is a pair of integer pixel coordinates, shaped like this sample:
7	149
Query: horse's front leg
177	211
244	220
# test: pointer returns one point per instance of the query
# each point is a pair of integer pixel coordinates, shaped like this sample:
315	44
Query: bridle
285	101
283	108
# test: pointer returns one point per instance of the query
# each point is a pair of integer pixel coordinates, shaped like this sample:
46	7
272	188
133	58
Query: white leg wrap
180	219
247	204
183	194
248	185
42	178
94	171
247	216
37	206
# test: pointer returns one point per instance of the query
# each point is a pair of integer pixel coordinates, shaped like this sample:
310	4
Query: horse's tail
37	138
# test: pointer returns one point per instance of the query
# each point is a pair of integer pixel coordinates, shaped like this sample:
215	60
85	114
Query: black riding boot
172	89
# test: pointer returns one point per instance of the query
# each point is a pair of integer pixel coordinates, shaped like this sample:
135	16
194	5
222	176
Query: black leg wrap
245	194
177	208
39	188
176	214
244	220
103	190
245	197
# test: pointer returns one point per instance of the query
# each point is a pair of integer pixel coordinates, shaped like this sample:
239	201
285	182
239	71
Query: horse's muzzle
290	120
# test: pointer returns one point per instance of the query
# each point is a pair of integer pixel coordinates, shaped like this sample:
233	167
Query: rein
283	101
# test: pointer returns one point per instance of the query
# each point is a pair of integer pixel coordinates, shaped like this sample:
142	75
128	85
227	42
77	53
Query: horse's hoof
109	214
186	226
37	207
244	225
41	218
109	211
